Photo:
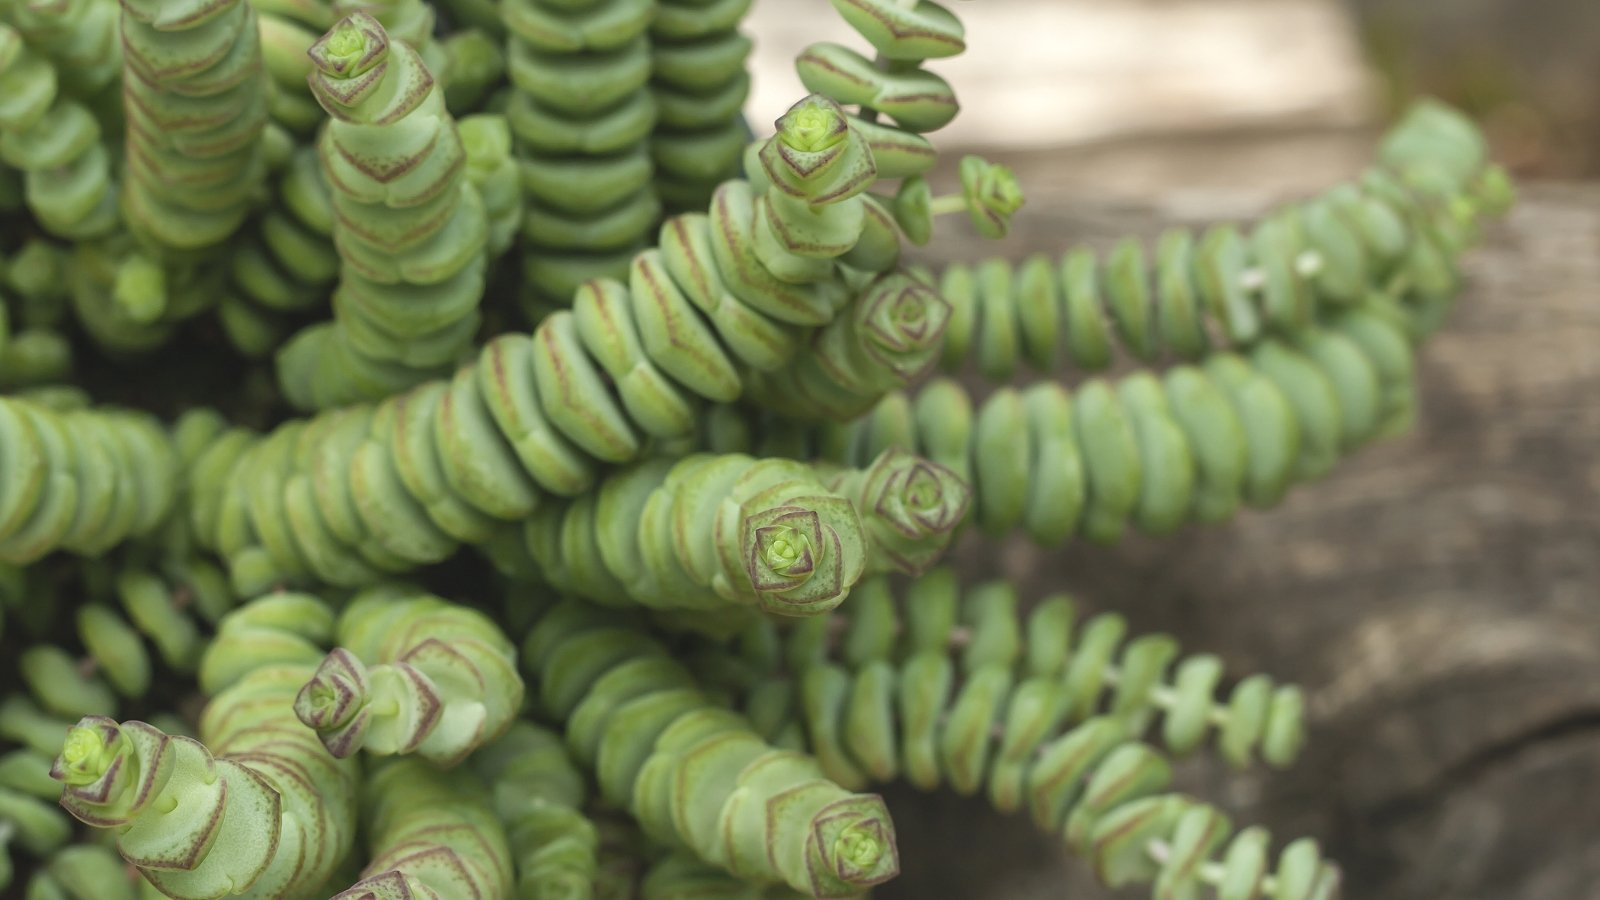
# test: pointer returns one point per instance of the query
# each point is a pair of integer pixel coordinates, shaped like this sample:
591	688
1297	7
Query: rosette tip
852	847
802	560
993	196
335	703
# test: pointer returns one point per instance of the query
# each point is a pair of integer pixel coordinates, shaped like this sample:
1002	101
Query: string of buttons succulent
447	452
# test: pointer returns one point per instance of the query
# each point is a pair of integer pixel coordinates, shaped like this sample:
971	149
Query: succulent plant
451	425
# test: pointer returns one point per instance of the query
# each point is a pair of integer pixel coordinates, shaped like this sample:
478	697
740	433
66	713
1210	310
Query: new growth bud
992	194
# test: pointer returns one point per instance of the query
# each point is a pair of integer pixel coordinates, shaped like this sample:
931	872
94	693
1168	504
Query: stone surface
1438	595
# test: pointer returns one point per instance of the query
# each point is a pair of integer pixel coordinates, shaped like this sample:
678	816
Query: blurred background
1062	73
1438	596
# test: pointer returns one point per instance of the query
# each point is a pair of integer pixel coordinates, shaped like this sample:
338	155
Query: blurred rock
1527	69
1436	595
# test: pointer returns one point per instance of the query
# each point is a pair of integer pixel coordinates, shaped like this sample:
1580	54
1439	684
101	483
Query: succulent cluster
445	454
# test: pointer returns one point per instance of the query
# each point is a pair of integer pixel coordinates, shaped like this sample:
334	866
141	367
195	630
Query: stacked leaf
256	805
410	227
195	105
412	674
695	775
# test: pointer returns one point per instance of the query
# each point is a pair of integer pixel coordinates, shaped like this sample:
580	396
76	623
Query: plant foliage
444	454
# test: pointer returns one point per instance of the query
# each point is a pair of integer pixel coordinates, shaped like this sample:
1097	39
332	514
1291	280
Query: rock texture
1438	596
